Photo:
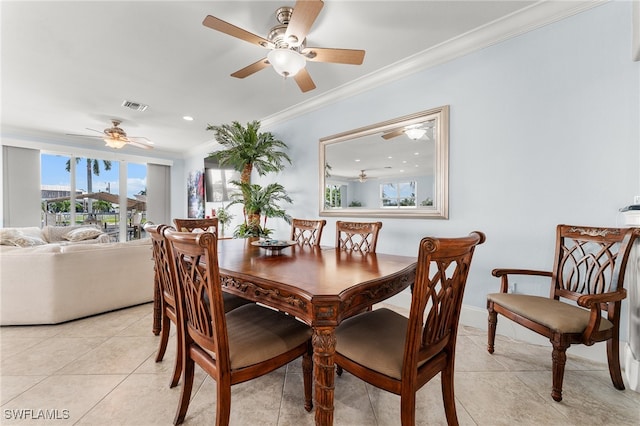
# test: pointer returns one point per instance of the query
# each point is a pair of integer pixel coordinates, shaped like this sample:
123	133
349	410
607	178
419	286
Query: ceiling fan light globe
415	134
286	62
114	143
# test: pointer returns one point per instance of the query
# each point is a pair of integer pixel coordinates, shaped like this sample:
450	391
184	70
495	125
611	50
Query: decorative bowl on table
273	245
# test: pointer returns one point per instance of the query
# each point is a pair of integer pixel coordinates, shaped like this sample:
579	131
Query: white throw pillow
21	237
81	234
8	235
27	241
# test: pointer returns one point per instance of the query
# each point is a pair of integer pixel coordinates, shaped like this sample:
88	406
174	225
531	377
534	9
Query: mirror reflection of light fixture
286	62
415	133
114	143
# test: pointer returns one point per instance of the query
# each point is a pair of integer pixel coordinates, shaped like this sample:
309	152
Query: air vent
134	105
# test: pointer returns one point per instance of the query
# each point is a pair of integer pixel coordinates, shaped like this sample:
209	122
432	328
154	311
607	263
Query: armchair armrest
593	302
590	300
503	274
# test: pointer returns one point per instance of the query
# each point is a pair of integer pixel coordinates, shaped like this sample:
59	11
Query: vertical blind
20	186
158	193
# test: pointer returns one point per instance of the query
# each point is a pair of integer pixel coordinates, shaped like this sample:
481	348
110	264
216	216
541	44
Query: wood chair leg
307	375
448	395
164	337
491	332
613	356
408	408
157	308
185	395
177	368
223	402
559	357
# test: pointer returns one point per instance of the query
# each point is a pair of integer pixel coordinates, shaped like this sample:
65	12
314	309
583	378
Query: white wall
544	130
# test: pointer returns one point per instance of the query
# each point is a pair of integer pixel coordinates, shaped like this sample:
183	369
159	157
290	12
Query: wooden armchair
373	346
357	236
233	347
588	274
307	232
189	225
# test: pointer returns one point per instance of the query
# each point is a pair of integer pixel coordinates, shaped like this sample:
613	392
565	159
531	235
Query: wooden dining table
321	286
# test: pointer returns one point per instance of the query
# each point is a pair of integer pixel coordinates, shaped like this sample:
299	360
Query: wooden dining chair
163	272
400	354
357	236
233	347
587	280
166	296
189	225
307	232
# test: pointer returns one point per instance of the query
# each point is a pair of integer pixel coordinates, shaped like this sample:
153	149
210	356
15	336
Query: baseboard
632	369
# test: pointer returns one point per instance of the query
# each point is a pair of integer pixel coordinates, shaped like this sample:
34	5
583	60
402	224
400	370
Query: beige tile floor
101	371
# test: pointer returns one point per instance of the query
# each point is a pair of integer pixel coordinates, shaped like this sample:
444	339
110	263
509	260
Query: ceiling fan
286	42
115	137
413	132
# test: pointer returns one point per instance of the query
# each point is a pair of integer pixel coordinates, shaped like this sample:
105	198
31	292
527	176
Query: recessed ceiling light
187	118
357	160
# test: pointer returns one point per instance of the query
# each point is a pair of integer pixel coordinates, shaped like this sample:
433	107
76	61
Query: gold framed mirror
397	168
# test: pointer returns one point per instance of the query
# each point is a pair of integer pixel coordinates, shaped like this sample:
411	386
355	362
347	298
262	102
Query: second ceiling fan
286	42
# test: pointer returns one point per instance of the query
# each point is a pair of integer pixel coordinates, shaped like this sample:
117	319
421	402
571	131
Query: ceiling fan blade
336	56
230	29
94	130
304	15
393	134
85	136
303	78
140	144
251	69
140	139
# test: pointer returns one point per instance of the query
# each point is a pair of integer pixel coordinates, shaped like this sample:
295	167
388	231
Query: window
333	196
95	187
398	195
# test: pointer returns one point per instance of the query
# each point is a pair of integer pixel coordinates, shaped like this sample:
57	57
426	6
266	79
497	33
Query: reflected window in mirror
397	168
219	181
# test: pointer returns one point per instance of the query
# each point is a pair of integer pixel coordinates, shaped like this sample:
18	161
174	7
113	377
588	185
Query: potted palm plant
246	149
258	202
224	217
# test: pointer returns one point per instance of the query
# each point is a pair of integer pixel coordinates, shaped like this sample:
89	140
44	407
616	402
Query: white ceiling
68	66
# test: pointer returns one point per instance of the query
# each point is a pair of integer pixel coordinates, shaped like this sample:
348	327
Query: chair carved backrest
189	225
357	236
307	232
590	261
441	276
162	263
200	293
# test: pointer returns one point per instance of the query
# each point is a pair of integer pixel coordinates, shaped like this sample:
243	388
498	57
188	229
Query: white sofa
57	282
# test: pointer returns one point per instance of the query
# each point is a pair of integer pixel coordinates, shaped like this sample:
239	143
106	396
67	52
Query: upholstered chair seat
257	334
361	337
553	314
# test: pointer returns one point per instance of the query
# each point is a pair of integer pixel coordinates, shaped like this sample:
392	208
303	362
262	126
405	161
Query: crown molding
527	19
